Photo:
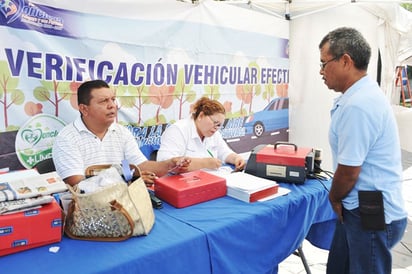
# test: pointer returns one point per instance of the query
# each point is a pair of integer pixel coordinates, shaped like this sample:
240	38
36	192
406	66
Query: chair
148	150
153	155
45	166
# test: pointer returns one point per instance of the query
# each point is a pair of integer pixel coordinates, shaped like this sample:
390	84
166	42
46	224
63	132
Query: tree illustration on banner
53	92
74	86
162	96
32	108
9	94
268	92
133	97
254	89
212	91
282	89
183	92
246	92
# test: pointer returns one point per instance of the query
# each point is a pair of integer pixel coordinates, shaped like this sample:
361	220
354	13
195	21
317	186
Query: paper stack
249	188
21	190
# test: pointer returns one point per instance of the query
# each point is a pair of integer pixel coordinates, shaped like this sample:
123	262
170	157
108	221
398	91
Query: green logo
34	140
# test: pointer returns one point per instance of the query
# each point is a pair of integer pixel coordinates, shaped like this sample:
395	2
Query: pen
181	162
210	153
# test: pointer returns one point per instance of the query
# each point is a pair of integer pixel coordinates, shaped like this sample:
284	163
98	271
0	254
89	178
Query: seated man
95	138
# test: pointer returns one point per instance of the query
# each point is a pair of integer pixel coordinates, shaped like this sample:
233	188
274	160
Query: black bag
371	210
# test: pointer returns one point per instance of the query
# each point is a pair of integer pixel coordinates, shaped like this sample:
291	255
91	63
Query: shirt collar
342	99
81	127
193	130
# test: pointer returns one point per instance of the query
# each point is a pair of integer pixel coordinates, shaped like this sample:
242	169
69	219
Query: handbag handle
95	169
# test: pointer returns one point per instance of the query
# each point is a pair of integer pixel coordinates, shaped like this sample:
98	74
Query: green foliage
17	96
212	91
152	121
12	128
41	93
5	77
407	6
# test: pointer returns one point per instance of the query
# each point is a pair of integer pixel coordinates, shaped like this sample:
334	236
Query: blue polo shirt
363	132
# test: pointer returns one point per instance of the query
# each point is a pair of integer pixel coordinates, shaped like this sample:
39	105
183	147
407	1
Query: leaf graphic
161	96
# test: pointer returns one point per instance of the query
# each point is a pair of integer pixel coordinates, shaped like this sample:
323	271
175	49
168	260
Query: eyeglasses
323	64
216	124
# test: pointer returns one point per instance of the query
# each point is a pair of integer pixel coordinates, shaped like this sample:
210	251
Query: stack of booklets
249	188
22	190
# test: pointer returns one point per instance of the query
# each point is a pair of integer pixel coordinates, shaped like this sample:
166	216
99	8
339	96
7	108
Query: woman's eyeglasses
216	124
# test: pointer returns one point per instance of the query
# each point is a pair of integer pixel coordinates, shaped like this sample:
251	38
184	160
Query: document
24	184
249	188
8	207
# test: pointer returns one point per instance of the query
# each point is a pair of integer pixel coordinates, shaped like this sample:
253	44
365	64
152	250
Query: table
171	247
219	236
255	238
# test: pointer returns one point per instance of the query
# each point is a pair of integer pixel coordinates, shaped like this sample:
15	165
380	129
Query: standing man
366	188
94	138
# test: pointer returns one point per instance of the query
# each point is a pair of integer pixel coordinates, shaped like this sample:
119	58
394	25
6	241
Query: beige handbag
112	213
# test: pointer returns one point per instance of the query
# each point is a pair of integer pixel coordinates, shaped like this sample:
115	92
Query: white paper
247	182
281	192
28	184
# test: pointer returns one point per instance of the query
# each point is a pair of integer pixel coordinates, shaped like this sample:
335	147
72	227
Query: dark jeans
357	251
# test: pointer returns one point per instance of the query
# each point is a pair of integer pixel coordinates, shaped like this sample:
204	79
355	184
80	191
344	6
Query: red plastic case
189	188
31	228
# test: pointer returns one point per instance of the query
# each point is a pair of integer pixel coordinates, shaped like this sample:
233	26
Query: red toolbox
189	188
283	162
30	228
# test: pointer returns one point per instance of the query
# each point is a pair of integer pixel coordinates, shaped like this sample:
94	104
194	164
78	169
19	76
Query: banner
158	67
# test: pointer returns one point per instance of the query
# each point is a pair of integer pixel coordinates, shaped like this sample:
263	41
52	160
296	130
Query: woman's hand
213	163
239	163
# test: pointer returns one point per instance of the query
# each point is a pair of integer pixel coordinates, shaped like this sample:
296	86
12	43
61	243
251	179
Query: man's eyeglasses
323	64
216	124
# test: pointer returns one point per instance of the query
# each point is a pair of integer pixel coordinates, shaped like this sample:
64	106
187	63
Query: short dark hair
84	91
348	41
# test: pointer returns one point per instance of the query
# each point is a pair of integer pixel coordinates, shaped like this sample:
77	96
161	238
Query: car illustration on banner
273	117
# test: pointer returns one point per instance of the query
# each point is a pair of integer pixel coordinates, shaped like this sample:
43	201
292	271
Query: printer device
282	162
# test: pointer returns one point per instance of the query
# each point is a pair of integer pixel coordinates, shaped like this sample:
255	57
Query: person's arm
174	143
161	168
73	180
344	180
67	158
209	163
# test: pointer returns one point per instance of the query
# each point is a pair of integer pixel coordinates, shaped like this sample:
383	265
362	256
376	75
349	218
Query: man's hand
148	177
337	207
179	164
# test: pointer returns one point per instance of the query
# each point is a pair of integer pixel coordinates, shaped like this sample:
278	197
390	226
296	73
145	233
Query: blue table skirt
171	247
221	236
256	237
